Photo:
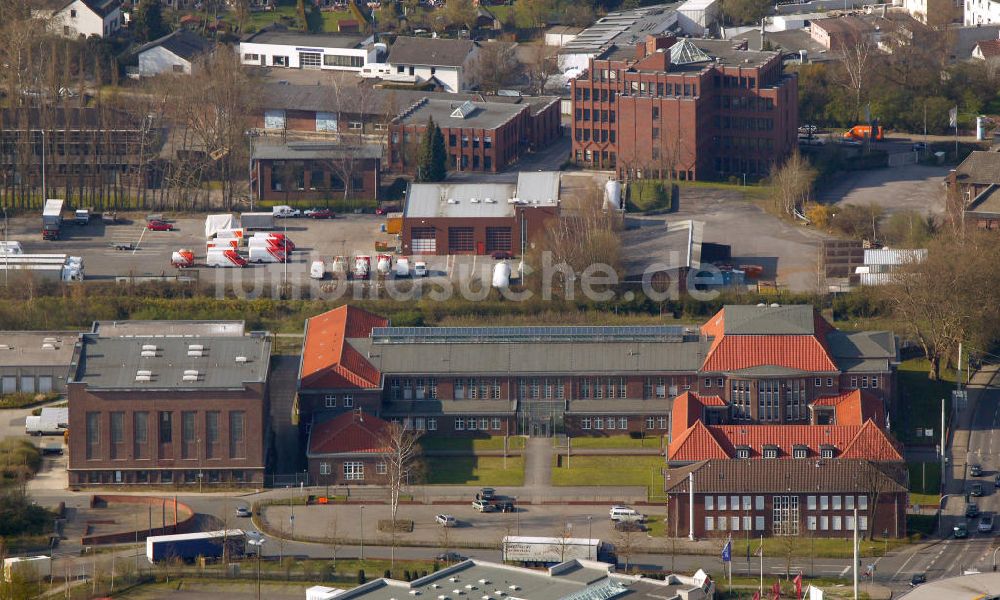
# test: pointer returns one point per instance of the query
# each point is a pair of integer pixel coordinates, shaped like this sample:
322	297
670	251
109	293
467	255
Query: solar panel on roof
530	333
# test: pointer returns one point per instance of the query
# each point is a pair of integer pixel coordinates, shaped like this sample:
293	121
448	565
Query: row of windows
603	157
743	123
773	451
735	502
346	400
733	81
866	382
353	470
744	143
477	424
747	103
462	162
418	423
747	166
487	141
600	95
733	523
193	445
603	116
599	135
600	423
825	523
407	388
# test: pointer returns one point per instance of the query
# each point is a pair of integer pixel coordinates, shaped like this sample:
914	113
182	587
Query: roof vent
191	372
464	110
190	378
195	347
195	353
145	372
490	201
50	340
241	359
414	592
150	347
48	346
148	354
142	378
6	347
474	200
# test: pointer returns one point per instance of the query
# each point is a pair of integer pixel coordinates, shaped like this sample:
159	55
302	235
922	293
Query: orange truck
864	132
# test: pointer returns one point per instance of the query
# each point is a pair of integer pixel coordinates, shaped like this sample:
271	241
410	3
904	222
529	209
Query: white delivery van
221	257
317	270
403	267
283	212
11	248
266	254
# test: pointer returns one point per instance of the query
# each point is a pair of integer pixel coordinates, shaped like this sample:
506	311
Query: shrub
387	574
406	575
361	577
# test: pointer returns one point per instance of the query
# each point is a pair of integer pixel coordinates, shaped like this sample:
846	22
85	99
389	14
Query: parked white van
624	513
375	70
317	270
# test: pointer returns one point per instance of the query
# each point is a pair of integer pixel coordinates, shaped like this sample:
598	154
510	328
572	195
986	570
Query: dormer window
800	452
770	452
743	452
827	451
72	13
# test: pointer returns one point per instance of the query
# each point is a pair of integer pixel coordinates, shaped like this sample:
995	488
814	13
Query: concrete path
538	464
284	370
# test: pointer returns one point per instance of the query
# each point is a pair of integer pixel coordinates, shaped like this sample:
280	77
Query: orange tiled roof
702	442
989	48
688	409
328	361
350	432
854	407
736	352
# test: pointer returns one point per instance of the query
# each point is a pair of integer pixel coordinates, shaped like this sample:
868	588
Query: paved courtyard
911	187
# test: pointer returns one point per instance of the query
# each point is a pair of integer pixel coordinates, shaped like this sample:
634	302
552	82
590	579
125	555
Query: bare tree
496	66
586	236
859	54
561	541
792	184
399	452
540	64
625	543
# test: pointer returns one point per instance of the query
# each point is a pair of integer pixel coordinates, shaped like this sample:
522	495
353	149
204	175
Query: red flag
798	587
776	591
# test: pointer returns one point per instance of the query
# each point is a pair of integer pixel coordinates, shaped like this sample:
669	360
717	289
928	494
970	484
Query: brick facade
317	179
487	234
645	117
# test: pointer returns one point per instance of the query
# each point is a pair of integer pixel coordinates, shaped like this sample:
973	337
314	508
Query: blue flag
727	551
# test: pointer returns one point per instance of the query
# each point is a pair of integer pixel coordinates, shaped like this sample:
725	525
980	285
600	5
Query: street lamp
257	540
590	535
362	533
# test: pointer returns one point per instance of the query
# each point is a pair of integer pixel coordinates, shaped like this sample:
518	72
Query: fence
902	159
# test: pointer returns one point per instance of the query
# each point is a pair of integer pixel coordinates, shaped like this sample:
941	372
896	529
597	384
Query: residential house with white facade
278	47
447	63
175	52
981	12
83	18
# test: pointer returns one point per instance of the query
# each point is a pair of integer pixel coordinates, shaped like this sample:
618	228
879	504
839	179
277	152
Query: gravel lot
912	187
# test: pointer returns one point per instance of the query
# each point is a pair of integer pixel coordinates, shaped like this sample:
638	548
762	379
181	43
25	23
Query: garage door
460	239
28	384
8	385
423	240
45	384
498	238
309	60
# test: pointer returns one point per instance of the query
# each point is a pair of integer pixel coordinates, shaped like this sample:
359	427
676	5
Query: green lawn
472	444
261	19
649	194
611	470
615	441
925	482
475	470
920	399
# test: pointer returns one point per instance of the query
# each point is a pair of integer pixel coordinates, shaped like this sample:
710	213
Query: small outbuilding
176	52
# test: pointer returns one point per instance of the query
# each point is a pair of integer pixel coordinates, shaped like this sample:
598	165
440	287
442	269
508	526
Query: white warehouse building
294	50
982	12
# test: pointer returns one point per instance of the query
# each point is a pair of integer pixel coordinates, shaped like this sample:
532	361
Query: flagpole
762	565
730	562
855	553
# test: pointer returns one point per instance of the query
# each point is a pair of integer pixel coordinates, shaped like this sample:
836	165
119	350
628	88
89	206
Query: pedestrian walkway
538	464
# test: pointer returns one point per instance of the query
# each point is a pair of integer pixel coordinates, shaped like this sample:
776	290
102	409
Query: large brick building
691	109
759	365
184	409
808	498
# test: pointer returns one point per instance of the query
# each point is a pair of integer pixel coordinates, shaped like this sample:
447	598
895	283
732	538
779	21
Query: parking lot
473	528
911	187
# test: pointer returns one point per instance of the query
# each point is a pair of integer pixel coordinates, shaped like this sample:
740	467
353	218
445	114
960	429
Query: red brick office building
691	109
806	498
749	365
315	170
169	410
347	448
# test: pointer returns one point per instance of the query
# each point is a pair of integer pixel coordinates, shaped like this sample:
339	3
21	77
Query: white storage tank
501	275
613	195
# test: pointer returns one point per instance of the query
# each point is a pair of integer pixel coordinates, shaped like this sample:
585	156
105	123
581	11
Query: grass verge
925	482
23	399
645	471
468	444
616	441
922	399
475	470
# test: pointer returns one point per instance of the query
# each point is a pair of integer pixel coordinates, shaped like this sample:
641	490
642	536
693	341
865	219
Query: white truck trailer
533	551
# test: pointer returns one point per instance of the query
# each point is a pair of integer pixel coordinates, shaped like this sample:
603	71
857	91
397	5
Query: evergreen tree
314	20
149	23
439	156
425	153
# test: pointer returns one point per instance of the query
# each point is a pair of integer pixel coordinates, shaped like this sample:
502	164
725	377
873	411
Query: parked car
243	511
996	480
159	226
321	213
917	579
503	504
808	129
960	532
502	255
483	506
449	557
446	520
976	490
124	246
976	470
284	212
487	493
971	510
420	269
624	513
986	524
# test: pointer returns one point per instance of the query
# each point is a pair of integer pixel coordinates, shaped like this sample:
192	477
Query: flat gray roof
623	29
168	328
307	40
428	200
37	348
484	115
655	242
576	580
173	363
314	151
502	358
